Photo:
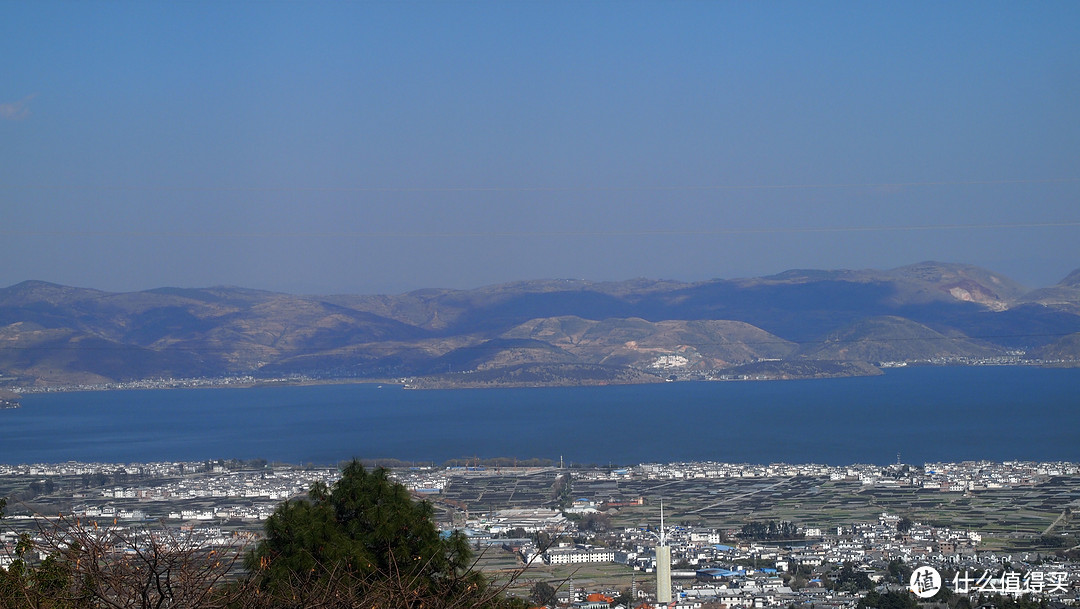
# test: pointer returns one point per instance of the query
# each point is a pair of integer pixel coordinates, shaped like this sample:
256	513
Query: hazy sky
369	147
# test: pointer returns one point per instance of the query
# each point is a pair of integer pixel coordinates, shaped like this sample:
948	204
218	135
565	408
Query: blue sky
377	147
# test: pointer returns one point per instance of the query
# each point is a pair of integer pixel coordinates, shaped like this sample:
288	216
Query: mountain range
795	324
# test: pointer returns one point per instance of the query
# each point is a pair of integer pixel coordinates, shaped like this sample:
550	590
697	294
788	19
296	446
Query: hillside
561	330
641	344
1065	350
891	339
1064	296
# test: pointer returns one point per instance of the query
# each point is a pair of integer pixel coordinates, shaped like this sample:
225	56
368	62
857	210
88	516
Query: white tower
663	564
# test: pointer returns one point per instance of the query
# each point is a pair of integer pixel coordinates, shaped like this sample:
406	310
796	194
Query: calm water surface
926	414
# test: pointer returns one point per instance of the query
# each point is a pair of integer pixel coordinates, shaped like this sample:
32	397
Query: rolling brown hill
891	339
52	334
704	344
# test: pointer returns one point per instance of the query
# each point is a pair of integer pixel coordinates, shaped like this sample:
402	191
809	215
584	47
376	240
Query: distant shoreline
466	380
510	464
224	383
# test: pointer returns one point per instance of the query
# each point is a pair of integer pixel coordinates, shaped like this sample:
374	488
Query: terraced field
1009	519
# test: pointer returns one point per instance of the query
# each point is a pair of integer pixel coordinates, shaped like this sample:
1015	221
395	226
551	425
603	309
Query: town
740	535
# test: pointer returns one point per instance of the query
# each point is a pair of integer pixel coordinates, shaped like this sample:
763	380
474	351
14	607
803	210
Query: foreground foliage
362	543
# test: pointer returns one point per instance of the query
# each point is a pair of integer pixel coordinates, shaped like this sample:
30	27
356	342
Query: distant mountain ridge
574	330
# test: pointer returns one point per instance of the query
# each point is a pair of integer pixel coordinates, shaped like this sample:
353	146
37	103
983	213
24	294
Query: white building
578	555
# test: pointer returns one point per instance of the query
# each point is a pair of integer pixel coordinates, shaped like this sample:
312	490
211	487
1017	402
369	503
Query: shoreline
181	384
503	463
441	382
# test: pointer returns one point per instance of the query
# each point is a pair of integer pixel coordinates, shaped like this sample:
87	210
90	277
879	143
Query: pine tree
365	538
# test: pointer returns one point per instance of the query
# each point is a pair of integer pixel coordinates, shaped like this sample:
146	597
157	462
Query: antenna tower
663	564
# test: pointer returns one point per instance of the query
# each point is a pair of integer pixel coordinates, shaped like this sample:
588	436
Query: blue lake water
926	414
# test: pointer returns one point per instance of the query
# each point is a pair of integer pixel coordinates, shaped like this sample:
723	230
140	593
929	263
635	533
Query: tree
561	490
361	542
851	580
90	567
904	525
899	570
596	522
543	593
517	533
769	530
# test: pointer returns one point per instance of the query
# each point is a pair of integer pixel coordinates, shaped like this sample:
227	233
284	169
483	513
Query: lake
924	413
